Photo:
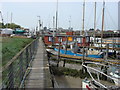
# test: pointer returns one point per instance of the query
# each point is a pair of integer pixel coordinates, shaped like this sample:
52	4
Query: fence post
34	47
10	76
21	66
29	53
27	58
58	56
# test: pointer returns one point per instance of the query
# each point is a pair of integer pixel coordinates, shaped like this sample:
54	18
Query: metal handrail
14	71
115	79
16	56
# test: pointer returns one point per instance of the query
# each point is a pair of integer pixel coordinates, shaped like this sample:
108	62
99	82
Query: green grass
11	46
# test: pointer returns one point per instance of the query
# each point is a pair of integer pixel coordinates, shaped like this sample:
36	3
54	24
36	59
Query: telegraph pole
39	24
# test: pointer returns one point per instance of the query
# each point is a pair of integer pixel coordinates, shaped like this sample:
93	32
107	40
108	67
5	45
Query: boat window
50	39
117	73
87	39
60	39
79	40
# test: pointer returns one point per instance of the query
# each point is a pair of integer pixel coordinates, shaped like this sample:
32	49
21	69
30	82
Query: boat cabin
49	39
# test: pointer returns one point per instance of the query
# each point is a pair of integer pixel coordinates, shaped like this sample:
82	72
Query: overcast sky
25	14
119	16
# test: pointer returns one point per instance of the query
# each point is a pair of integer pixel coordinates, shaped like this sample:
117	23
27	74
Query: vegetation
70	72
11	46
9	25
69	61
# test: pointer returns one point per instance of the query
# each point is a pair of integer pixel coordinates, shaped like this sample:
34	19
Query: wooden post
58	56
107	50
65	50
86	51
64	63
66	44
105	71
83	60
83	52
113	43
11	76
21	67
114	49
27	58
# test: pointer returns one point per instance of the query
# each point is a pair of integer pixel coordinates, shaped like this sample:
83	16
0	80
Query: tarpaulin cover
74	54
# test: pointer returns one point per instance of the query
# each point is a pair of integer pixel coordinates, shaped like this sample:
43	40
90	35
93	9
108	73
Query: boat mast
94	23
39	24
11	21
42	25
7	20
70	23
53	26
102	23
83	33
58	56
2	20
53	38
56	16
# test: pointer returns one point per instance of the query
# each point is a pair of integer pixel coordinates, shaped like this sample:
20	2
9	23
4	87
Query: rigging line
111	18
98	18
106	22
89	18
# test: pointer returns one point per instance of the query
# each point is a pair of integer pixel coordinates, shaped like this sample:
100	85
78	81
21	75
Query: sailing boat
79	51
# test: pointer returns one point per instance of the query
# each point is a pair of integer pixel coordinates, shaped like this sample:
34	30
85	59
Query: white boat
7	31
116	75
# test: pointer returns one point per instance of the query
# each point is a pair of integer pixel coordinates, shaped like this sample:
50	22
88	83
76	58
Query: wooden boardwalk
39	77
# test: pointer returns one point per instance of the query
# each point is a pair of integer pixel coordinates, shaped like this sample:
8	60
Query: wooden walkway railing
13	72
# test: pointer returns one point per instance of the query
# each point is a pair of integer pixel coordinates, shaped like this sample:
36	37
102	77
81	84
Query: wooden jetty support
110	61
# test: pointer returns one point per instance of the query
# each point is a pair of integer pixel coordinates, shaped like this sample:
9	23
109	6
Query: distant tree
2	25
12	25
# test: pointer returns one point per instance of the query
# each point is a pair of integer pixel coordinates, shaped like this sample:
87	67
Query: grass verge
11	46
